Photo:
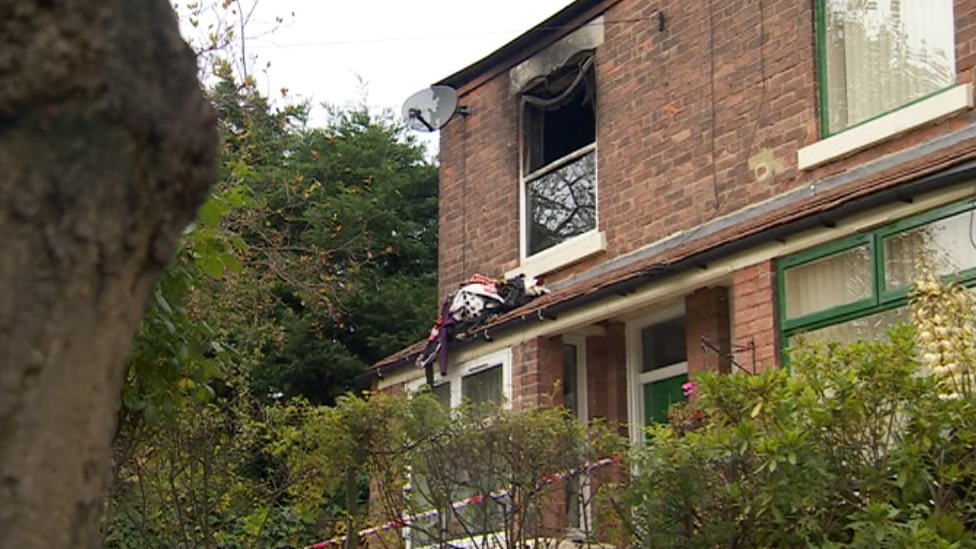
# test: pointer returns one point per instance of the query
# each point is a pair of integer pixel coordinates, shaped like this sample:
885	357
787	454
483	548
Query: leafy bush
418	456
849	447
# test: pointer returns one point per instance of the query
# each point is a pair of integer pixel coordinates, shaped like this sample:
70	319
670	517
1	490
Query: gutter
660	271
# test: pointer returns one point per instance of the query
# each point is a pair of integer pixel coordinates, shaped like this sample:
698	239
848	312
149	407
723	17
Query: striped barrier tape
473	500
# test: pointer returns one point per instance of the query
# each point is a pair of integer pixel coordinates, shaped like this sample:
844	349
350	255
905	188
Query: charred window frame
558	124
558	115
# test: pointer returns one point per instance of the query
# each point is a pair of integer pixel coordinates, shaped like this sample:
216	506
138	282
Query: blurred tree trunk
107	147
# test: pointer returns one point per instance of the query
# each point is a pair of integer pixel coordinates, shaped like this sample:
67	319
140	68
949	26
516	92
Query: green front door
663	368
660	395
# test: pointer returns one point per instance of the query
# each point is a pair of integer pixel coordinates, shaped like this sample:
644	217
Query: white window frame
583	414
572	250
588	37
456	374
946	102
579	342
635	378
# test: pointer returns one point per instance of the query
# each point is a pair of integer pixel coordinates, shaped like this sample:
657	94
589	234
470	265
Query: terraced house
699	182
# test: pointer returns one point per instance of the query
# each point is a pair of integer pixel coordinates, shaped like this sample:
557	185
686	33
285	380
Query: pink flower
688	388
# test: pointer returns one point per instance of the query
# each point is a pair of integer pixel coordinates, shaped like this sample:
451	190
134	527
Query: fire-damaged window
559	155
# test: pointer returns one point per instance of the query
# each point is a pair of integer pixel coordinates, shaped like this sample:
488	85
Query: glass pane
883	54
570	384
868	328
429	530
663	345
443	394
834	280
573	503
484	386
945	244
660	395
561	203
440	493
479	518
571	396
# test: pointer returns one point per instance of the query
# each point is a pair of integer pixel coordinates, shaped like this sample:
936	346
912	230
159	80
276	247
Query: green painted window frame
809	256
881	300
820	23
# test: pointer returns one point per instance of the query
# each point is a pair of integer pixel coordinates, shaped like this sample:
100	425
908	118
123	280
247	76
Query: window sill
949	102
564	254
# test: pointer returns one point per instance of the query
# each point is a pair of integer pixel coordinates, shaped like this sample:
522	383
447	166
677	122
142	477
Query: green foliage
206	478
851	447
482	449
177	353
315	256
345	240
355	433
450	455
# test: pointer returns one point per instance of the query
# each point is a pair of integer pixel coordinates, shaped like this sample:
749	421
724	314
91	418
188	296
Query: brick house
699	182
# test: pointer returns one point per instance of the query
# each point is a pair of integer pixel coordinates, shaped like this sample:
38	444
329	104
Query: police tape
473	500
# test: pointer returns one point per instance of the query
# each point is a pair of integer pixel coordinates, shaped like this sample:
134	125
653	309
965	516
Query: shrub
851	446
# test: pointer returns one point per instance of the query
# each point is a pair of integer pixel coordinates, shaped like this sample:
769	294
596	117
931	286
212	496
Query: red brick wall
707	315
395	389
606	374
537	365
965	39
754	315
682	112
479	181
693	122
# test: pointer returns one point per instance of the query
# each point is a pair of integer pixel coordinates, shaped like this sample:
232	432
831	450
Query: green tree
208	477
279	277
178	351
316	257
347	238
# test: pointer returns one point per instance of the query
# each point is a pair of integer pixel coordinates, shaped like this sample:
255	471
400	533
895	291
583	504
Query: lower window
858	288
481	381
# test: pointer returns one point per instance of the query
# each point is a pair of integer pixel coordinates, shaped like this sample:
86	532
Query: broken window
559	156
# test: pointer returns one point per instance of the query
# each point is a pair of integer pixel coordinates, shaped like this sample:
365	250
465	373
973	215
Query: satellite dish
428	110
